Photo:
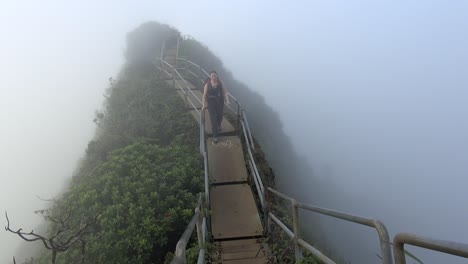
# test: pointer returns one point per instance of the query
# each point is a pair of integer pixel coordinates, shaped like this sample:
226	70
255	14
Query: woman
214	94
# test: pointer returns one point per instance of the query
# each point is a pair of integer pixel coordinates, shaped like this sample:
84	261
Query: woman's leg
220	113
213	111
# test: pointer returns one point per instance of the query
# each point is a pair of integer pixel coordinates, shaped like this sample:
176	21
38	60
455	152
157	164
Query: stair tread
234	212
243	255
239	245
247	261
225	125
226	161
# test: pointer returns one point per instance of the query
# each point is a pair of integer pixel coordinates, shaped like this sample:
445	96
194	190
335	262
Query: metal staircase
227	214
234	225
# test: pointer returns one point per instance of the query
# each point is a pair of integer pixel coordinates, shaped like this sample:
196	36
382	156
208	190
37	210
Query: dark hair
217	76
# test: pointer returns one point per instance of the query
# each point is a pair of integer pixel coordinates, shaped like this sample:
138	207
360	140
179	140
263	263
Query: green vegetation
144	195
142	172
276	151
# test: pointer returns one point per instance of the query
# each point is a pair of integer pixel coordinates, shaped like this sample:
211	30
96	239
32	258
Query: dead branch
45	200
59	241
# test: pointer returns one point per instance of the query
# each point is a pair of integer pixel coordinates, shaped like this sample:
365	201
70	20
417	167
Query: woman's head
214	76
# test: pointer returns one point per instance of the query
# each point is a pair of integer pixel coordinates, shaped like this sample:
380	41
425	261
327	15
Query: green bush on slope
142	173
144	195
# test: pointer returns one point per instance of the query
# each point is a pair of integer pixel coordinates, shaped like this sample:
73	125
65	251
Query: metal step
234	212
232	246
184	85
171	51
262	260
194	97
226	162
226	126
243	255
242	251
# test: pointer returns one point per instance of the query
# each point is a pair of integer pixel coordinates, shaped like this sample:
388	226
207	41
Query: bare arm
226	96
205	91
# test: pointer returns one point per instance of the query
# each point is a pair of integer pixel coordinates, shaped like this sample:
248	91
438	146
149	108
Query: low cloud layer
373	96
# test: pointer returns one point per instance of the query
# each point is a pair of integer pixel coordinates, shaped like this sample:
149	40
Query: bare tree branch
30	237
45	200
55	242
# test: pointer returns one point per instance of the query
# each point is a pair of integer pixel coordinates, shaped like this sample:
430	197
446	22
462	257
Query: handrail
253	166
180	87
400	239
257	186
188	66
202	123
314	251
245	128
194	74
196	65
164	70
197	220
205	158
244	116
200	222
202	133
240	112
208	75
248	139
183	37
449	247
252	160
378	225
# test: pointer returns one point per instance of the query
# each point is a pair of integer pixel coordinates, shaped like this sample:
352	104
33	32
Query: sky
372	93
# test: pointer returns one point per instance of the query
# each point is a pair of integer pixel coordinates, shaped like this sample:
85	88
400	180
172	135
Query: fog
54	71
372	94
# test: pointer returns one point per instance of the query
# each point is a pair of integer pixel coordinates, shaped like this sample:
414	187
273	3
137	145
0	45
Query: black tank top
214	92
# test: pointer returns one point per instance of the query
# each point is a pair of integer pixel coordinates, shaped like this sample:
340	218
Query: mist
54	72
372	95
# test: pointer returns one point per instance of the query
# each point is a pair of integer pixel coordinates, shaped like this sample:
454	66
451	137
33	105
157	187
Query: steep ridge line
234	213
457	249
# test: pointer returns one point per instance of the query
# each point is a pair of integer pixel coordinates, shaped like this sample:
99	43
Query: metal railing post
267	211
376	224
268	224
238	118
449	247
163	47
244	119
177	51
199	229
384	241
297	248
